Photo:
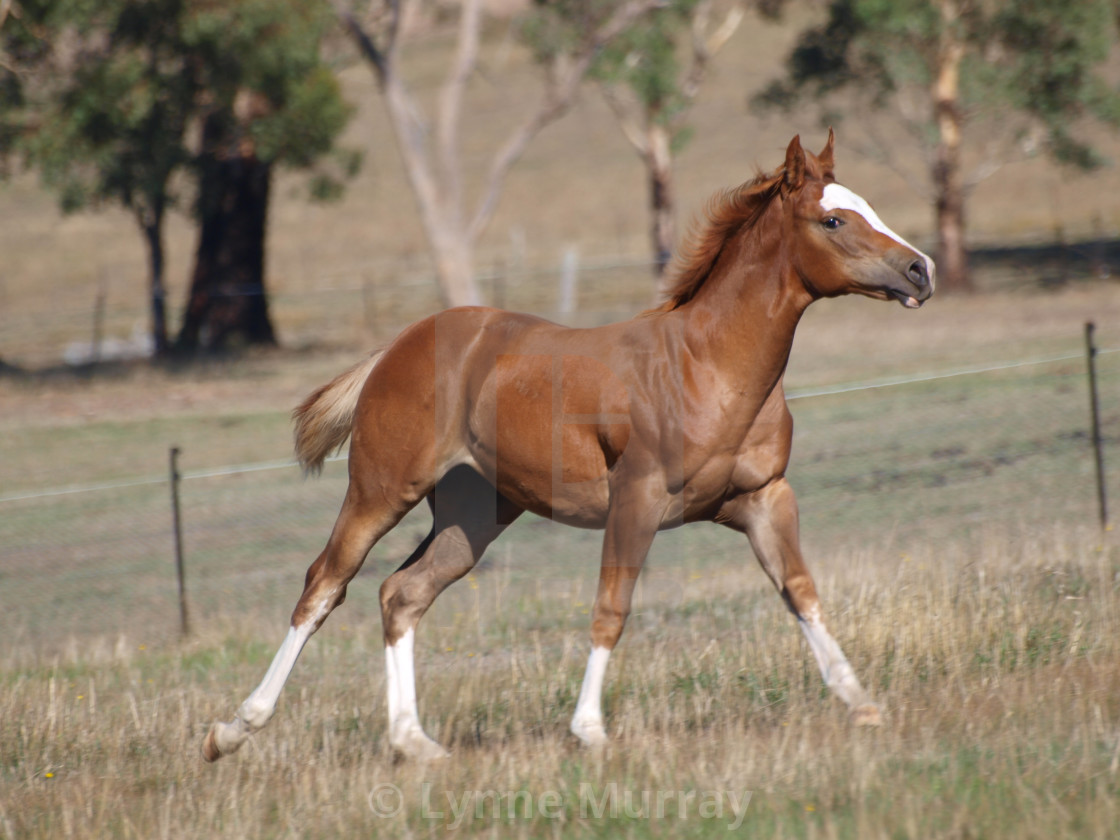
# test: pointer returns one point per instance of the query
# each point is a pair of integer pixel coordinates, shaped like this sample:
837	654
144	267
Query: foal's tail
323	421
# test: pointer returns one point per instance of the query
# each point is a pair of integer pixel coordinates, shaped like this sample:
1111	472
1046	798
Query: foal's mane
726	212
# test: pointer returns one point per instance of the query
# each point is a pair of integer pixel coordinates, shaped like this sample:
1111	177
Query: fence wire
935	457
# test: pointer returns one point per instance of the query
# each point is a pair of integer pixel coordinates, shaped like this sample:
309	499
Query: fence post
184	623
1094	405
569	278
98	324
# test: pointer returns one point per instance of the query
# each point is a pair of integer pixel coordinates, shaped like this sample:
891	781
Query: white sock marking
401	679
836	197
835	668
589	708
260	705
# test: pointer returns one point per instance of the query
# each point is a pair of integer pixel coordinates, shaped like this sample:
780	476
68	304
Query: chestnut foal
677	415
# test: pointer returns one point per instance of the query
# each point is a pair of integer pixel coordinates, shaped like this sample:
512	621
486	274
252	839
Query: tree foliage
1035	60
645	57
123	80
108	100
270	100
1052	54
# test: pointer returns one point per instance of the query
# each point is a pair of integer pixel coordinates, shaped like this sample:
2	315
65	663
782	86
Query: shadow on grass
216	364
1047	265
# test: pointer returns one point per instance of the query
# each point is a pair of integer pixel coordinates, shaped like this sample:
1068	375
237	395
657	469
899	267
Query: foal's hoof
867	715
210	750
417	746
591	733
222	739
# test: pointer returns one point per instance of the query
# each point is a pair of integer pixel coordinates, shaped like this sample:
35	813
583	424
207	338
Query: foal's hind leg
769	518
360	524
468	515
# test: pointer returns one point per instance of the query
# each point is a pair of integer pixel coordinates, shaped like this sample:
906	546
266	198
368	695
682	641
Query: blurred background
208	209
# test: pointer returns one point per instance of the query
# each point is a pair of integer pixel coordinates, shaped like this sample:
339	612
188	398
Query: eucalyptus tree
429	143
650	76
1005	79
152	103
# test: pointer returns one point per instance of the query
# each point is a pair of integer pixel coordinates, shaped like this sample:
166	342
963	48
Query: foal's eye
832	222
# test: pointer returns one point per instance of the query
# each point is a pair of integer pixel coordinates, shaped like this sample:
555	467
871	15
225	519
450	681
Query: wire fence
372	299
367	302
942	455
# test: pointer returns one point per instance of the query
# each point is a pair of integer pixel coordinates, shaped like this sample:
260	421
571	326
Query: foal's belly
580	507
578	493
565	489
547	429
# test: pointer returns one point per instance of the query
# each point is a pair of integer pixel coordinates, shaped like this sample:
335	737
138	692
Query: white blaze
836	197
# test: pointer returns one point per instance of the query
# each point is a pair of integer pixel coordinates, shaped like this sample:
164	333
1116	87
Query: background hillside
351	272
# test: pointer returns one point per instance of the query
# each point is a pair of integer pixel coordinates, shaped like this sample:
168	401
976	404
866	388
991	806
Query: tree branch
558	98
451	99
705	45
997	155
7	7
404	114
626	118
379	59
880	150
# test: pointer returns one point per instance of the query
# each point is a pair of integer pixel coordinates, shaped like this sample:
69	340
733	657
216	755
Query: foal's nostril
918	273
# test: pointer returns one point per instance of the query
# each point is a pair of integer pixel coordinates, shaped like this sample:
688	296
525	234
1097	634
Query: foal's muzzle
918	285
918	274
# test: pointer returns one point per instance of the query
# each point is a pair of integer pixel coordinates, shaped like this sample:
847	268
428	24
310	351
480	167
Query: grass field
999	672
950	525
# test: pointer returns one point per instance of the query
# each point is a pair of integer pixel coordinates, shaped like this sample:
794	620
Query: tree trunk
150	219
659	167
952	263
436	183
227	304
454	255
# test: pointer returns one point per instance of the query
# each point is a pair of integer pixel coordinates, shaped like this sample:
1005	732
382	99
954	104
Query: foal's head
839	244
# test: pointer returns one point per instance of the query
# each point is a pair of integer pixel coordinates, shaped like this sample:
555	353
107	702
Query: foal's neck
744	316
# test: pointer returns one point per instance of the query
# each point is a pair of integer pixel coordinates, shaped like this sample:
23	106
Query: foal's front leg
632	523
769	518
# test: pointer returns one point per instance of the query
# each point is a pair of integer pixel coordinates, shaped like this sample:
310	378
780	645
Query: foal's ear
795	166
827	158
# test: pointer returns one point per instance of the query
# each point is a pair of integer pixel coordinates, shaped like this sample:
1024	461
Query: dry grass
999	671
994	649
